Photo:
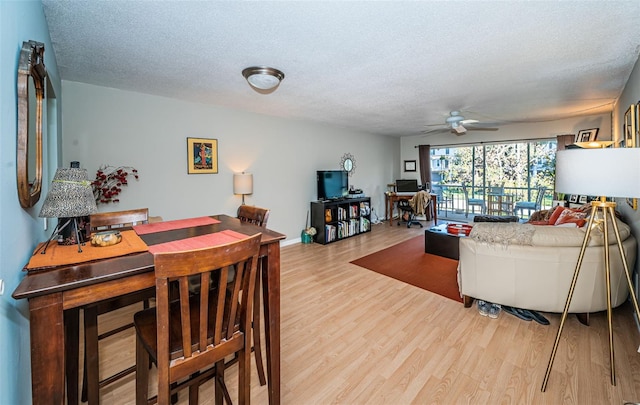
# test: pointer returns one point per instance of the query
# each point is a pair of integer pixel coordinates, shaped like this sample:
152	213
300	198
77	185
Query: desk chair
188	339
419	204
530	205
407	214
473	202
91	380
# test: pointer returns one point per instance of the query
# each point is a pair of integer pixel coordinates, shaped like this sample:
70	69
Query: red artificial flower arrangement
109	181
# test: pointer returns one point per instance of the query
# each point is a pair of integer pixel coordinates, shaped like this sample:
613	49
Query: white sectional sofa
536	274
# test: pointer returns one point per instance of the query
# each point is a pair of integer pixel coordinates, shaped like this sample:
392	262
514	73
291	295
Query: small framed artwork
573	198
409	165
582	199
633	203
587	135
630	127
202	156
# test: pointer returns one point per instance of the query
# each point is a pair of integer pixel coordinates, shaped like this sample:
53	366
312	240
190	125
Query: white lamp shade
609	172
243	183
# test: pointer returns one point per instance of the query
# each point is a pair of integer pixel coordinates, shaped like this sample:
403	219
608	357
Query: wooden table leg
47	349
271	284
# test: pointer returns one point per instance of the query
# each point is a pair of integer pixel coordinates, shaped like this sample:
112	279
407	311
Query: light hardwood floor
352	336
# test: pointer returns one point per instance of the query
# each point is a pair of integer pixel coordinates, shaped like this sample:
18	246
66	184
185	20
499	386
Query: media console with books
340	219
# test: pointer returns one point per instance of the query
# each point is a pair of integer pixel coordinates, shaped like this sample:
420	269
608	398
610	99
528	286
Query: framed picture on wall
202	156
587	135
573	198
409	165
582	199
629	127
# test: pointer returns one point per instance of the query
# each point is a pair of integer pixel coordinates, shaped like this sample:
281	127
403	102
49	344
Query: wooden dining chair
256	216
189	338
253	215
91	379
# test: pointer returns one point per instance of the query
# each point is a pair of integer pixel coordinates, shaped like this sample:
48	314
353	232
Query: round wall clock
348	163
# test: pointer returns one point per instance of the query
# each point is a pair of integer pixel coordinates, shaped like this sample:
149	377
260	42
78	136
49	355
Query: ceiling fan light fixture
459	128
263	78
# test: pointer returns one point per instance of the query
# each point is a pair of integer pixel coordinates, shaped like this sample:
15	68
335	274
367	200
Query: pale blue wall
20	229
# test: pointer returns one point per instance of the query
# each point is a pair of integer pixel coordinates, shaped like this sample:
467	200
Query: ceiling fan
457	124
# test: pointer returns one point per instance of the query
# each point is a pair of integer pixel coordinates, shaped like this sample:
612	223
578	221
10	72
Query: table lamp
70	196
604	172
243	184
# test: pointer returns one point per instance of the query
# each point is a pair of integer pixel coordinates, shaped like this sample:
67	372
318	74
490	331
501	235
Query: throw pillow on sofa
570	216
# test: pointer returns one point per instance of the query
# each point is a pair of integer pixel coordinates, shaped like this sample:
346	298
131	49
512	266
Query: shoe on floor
536	317
483	308
494	310
516	312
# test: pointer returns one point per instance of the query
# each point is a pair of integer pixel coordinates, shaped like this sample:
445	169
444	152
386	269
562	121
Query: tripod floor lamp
588	172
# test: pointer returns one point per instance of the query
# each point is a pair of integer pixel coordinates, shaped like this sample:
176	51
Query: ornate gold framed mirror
31	83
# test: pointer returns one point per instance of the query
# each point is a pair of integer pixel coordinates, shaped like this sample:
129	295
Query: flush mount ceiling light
263	79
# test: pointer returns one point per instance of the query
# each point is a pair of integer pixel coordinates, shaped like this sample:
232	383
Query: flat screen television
332	184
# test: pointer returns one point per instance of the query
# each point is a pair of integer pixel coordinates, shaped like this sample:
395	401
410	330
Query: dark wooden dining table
56	294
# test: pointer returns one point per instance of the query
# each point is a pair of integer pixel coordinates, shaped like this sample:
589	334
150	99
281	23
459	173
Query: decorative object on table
30	94
109	181
263	79
459	229
70	196
348	163
106	238
243	184
571	165
202	156
587	135
409	165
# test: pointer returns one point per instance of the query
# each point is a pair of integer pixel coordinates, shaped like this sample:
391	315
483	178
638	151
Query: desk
56	295
499	204
392	198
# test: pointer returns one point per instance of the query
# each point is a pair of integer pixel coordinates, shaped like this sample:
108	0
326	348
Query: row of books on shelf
343	229
354	210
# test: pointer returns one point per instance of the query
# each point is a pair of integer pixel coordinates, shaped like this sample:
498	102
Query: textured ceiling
380	67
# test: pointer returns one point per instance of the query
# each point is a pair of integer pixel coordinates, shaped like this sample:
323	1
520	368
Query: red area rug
408	262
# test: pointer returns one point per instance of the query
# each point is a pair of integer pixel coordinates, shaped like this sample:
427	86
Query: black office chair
407	214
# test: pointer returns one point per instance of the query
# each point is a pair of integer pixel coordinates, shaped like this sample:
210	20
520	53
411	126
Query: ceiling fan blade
472	128
429	132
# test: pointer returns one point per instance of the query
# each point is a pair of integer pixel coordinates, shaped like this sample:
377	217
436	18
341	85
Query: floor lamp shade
610	172
69	196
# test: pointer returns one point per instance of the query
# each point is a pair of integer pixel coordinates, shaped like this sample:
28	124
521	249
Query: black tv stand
340	218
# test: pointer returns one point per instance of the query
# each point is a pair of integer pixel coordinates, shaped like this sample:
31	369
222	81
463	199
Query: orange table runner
171	225
61	255
198	242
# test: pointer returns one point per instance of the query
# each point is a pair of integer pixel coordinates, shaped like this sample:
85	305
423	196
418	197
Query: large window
520	168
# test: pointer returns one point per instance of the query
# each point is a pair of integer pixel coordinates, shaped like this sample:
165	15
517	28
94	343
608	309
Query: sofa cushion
555	215
562	236
571	216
